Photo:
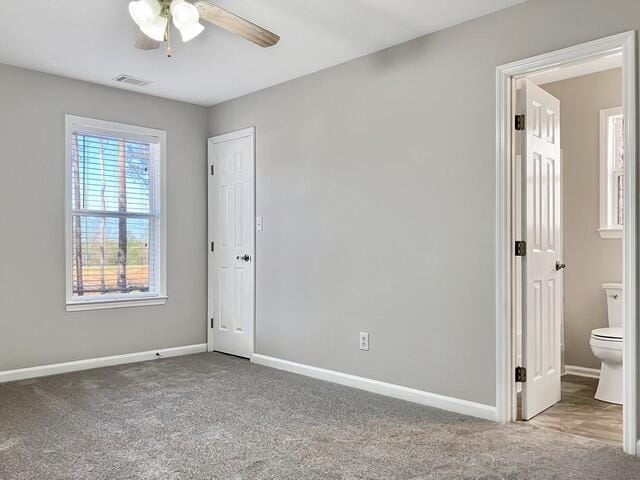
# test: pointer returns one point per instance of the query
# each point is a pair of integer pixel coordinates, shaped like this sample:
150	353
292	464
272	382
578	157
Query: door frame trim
505	322
245	132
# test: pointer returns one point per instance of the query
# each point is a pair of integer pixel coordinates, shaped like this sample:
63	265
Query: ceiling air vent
128	79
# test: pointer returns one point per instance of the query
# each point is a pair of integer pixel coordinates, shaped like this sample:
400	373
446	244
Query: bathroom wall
591	260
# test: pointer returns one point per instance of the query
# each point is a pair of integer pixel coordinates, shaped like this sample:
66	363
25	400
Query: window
115	228
611	173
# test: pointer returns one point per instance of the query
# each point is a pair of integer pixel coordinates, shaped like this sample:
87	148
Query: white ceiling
93	40
598	64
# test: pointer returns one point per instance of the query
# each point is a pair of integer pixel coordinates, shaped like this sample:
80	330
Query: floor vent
128	79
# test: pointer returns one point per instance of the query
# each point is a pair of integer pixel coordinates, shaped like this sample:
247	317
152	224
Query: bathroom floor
581	414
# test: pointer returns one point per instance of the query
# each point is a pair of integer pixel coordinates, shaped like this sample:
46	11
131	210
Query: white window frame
609	226
72	124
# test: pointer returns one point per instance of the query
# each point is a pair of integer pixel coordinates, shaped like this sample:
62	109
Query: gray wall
376	180
35	329
591	260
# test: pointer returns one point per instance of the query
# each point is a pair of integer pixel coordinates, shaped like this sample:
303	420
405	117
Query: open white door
232	243
542	264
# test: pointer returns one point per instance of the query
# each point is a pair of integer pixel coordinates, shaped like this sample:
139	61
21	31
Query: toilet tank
614	303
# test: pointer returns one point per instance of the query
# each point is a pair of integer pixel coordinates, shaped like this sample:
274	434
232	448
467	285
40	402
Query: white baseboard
435	400
56	368
582	371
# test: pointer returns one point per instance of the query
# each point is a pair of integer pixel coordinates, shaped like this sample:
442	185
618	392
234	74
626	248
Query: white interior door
542	227
232	243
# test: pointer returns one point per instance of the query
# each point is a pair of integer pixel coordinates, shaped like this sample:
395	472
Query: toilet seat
610	334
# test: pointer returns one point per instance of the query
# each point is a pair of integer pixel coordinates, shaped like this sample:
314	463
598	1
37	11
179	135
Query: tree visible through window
115	217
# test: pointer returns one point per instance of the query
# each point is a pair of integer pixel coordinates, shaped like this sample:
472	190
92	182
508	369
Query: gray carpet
210	416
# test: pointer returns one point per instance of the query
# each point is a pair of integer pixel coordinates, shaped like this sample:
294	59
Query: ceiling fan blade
145	43
234	24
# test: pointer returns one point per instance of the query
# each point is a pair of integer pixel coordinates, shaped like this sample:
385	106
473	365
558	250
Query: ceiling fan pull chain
169	20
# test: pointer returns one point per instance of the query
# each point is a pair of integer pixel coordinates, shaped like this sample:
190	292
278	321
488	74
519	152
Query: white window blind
115	237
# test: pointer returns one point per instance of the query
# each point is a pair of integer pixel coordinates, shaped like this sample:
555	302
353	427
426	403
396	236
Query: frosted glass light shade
186	18
143	12
191	32
184	14
155	29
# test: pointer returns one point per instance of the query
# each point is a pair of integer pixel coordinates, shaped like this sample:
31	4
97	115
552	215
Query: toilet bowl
606	344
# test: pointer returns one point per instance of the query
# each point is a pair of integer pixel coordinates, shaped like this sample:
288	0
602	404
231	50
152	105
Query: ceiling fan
154	17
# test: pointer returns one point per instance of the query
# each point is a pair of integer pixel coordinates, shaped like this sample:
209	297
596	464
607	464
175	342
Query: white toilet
606	344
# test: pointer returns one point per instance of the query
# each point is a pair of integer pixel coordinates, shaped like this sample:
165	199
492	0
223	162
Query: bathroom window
115	215
611	173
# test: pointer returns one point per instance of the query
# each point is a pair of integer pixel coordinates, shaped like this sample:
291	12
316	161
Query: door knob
560	266
245	257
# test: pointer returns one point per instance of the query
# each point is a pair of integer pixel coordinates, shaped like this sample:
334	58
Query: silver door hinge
520	122
521	374
521	248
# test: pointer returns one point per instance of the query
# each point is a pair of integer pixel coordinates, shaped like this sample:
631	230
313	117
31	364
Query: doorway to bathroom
583	121
566	257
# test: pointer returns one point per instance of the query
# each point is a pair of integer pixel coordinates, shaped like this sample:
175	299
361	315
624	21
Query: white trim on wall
435	400
505	330
582	371
121	303
57	368
630	245
607	233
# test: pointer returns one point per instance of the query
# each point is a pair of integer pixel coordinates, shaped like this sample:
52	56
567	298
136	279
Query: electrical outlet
364	341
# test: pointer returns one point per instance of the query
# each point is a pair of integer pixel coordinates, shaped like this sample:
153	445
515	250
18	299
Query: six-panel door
231	210
542	225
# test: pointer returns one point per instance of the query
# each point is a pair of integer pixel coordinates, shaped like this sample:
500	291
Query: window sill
611	232
120	303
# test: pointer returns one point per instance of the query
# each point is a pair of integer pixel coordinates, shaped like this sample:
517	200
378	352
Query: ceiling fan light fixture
144	12
186	18
191	32
184	14
154	17
156	29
